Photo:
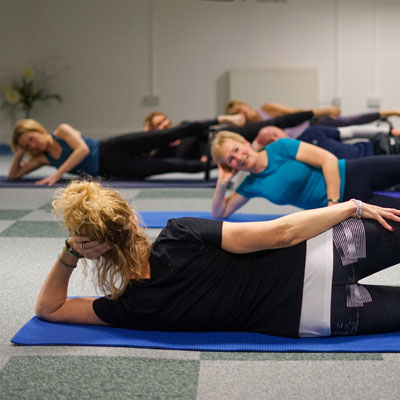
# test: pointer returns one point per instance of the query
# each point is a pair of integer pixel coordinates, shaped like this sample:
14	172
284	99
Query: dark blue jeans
366	175
381	311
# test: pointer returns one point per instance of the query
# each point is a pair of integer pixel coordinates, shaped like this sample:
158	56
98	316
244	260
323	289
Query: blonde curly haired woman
289	277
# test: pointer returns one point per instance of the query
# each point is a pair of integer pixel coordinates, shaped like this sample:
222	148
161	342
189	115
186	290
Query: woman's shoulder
189	230
62	128
65	130
284	143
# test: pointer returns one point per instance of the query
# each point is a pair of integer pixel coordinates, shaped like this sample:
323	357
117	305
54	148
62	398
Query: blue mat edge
168	182
197	341
159	219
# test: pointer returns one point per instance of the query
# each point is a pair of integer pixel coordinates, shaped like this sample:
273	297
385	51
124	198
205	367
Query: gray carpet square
176	194
298	380
278	356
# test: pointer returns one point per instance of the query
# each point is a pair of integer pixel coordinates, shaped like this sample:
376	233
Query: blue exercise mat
389	194
40	333
158	219
184	182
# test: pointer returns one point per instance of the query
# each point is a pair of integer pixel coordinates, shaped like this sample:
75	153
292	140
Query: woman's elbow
14	173
43	311
215	214
331	159
12	176
85	151
218	214
221	213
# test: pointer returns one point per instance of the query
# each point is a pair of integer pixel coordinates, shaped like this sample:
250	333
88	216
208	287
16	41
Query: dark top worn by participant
257	292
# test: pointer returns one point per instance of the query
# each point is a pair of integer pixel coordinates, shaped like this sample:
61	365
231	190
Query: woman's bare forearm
283	232
330	170
295	228
219	201
15	167
75	158
54	290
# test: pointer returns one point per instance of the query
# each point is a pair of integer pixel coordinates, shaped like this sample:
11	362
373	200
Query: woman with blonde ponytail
293	276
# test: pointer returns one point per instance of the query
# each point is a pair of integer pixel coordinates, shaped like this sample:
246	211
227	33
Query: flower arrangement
26	90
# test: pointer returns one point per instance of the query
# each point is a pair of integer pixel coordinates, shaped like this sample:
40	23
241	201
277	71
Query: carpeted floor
31	238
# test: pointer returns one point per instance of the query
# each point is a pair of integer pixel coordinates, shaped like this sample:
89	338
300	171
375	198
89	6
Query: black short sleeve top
195	285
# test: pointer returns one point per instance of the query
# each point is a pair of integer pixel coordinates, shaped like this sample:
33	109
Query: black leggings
366	175
127	156
357	119
382	313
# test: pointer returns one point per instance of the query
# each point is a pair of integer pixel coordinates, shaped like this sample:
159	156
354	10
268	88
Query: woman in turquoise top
292	172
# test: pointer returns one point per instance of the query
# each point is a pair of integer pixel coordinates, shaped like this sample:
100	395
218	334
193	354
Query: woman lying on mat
197	147
292	172
126	156
193	148
330	138
294	276
272	110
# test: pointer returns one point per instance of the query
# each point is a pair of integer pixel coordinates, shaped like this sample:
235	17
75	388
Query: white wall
13	51
100	49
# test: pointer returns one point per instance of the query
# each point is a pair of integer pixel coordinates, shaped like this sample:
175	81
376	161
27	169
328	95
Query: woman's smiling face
238	156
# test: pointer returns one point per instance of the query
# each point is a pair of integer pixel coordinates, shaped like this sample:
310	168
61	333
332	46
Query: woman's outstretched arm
287	231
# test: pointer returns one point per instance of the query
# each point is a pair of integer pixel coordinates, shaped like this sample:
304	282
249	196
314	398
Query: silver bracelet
360	208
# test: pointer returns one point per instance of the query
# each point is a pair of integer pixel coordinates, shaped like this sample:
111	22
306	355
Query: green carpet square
35	229
89	378
13	214
46	207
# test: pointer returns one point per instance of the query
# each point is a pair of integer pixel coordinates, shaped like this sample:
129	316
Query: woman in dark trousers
125	156
379	142
294	276
128	156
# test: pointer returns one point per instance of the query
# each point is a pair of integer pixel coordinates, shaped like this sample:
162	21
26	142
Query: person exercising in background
380	139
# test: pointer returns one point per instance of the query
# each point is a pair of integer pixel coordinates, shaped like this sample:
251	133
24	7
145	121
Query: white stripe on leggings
315	319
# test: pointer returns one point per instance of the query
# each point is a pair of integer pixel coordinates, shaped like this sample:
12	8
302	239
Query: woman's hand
225	175
50	180
19	152
223	206
90	249
381	214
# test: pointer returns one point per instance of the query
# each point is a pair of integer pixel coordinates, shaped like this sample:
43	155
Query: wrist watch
334	200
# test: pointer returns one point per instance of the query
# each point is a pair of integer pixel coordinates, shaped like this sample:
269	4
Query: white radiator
291	87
